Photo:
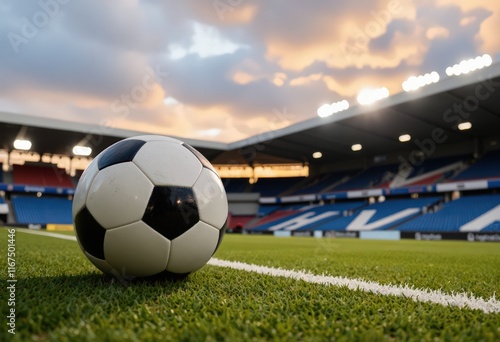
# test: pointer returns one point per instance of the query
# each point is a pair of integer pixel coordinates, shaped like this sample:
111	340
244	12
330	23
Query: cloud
224	70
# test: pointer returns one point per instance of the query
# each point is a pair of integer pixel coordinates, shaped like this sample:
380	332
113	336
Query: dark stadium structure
445	180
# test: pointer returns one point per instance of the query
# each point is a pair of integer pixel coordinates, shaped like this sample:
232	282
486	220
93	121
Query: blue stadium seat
381	211
486	167
376	176
430	165
43	210
322	182
309	212
274	186
455	214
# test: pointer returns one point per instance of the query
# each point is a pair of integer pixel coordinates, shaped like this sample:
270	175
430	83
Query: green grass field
60	296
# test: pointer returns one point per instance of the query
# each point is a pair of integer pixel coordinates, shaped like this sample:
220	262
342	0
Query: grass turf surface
61	296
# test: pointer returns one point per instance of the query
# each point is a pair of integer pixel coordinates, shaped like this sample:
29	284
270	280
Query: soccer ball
149	205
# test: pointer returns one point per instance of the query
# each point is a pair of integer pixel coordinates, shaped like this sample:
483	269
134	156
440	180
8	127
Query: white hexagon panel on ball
167	163
83	187
120	188
136	250
192	250
211	198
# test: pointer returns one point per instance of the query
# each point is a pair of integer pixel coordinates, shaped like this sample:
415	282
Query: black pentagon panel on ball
121	152
171	210
222	231
90	233
204	161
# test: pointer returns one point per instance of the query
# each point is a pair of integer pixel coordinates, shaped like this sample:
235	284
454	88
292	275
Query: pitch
62	296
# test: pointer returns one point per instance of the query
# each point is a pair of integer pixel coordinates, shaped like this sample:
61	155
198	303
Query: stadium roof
441	106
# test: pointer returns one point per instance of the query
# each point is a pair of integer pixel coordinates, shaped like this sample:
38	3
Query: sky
224	70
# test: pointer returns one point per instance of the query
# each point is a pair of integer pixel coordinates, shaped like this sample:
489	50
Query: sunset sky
224	70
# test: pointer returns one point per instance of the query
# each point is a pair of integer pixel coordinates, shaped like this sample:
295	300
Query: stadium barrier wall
34	189
380	235
464	236
424	236
60	227
282	233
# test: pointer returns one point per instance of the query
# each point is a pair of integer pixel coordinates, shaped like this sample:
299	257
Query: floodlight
21	144
404	137
82	150
356	147
317	155
464	126
369	96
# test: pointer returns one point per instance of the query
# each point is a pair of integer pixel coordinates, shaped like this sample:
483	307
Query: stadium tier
324	182
430	165
376	176
233	185
469	213
41	176
43	210
304	217
381	216
486	167
275	186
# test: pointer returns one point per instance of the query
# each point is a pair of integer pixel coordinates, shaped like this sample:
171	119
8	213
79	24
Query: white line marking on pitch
56	235
461	300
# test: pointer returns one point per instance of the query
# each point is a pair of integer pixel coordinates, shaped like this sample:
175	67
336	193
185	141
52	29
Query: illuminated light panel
82	151
413	83
464	126
356	147
369	96
21	144
469	65
317	155
329	109
404	137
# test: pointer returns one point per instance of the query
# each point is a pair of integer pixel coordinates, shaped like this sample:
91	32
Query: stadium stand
430	165
324	182
238	222
484	168
41	176
43	210
456	214
305	217
373	177
274	186
380	216
267	209
235	185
